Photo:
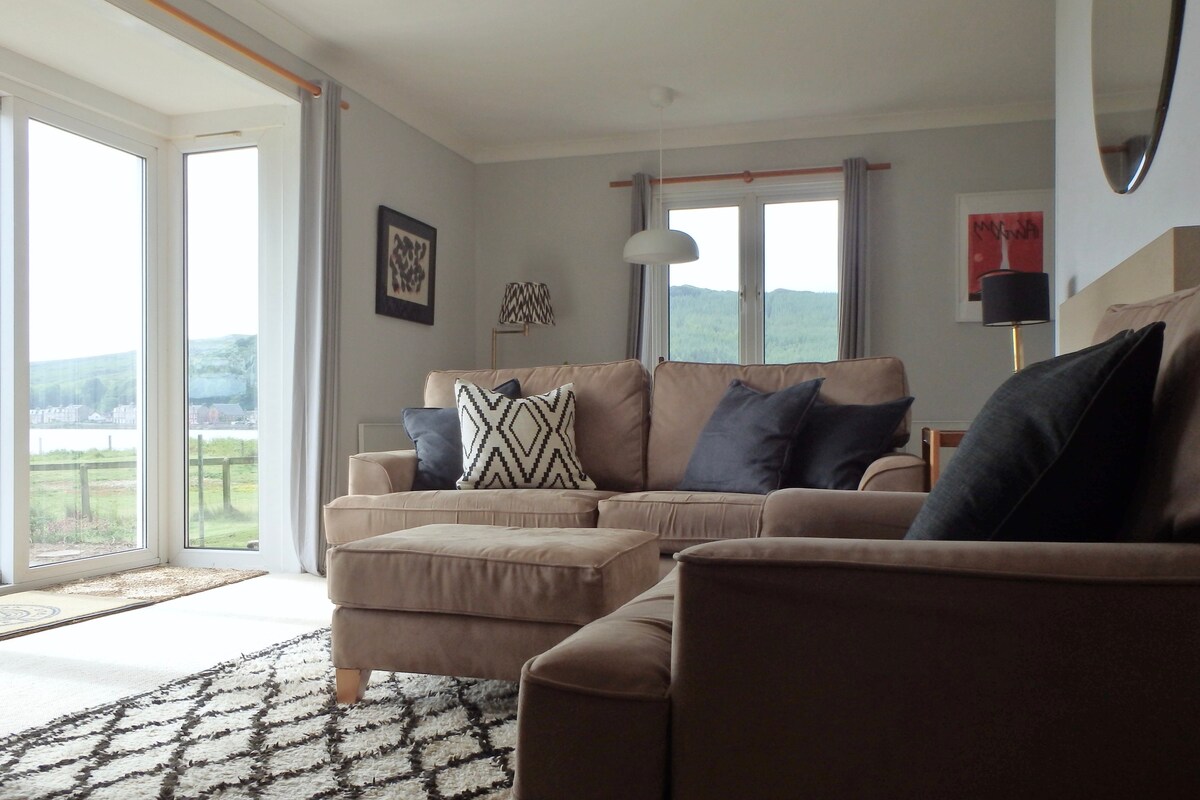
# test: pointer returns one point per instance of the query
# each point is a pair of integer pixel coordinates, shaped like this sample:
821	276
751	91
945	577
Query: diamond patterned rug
267	726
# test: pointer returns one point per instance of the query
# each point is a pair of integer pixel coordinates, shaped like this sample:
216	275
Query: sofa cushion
746	443
682	519
838	442
1166	504
1055	452
686	393
437	436
354	517
612	415
569	575
527	443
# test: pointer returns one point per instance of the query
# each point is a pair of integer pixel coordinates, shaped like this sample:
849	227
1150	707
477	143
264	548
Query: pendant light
660	245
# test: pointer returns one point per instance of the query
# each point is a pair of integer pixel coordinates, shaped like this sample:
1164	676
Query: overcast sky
85	245
801	247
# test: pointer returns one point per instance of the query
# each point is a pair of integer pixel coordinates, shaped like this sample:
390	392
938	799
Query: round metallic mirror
1135	44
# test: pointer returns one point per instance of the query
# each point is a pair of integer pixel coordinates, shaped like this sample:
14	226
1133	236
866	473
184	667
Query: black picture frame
406	263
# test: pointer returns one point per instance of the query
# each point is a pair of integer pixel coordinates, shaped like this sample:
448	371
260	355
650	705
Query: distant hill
800	326
223	370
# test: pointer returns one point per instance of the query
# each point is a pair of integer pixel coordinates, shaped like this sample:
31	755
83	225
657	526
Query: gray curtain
852	291
639	220
314	390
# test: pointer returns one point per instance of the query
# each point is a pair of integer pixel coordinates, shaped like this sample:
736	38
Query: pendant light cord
658	194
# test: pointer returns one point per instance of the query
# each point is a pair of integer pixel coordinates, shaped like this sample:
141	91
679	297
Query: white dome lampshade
660	246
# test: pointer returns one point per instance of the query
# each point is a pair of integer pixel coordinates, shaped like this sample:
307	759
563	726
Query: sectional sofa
788	666
635	444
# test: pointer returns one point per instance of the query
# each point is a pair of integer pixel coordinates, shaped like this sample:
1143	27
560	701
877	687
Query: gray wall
384	360
557	221
1098	228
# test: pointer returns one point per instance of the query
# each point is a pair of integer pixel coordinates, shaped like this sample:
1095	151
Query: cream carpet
267	726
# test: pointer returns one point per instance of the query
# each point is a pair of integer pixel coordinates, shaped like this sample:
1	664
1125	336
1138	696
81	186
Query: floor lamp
524	304
1012	297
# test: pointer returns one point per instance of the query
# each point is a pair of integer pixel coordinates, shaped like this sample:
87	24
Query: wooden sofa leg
351	684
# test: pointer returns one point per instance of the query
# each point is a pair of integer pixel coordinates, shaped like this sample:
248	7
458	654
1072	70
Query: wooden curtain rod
747	176
237	46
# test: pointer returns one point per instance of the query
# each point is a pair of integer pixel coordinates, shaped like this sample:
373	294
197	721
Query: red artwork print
1002	241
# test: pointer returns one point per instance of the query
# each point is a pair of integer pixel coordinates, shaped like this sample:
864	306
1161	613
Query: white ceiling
508	79
502	79
95	42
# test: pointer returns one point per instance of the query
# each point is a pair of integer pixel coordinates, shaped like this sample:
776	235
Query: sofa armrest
895	472
836	513
382	473
947	669
594	709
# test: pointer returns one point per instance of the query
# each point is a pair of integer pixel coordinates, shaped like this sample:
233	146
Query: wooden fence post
225	490
85	495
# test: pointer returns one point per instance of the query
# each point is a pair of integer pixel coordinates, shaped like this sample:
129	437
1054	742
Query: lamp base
523	330
1018	350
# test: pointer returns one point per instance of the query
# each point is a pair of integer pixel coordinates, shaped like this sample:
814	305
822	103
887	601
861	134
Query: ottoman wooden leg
351	683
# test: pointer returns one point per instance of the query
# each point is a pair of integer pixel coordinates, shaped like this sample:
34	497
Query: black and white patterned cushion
527	443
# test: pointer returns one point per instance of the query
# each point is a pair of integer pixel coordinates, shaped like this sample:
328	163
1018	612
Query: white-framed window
79	479
765	289
95	334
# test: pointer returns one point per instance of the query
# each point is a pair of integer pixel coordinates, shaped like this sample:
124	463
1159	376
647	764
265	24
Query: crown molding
772	131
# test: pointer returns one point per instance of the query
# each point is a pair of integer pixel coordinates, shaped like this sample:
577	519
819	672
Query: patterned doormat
268	726
74	601
25	612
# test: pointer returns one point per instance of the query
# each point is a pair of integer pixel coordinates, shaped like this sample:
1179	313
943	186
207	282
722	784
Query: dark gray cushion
1054	454
745	444
438	438
837	443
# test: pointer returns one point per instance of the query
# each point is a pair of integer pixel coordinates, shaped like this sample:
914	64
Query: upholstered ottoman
475	600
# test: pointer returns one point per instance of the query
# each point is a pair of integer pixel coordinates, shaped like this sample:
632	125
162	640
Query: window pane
800	244
86	246
703	308
221	254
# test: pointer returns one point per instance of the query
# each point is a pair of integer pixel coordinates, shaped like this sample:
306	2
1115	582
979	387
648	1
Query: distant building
197	415
125	415
72	414
226	412
96	416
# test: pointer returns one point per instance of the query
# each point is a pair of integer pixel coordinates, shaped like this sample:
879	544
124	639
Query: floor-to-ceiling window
145	309
78	470
221	225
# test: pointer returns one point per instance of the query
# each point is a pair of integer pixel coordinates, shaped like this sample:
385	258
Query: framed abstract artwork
1000	230
406	260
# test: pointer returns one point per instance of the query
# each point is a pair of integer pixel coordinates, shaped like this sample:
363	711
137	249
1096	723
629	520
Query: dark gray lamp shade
1012	297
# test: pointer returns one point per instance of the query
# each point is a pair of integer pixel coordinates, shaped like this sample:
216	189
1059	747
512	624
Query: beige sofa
635	444
784	667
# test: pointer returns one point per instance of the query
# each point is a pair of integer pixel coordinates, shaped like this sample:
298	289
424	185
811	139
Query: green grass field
59	515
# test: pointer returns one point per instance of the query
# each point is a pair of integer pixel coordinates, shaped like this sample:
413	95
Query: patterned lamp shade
526	304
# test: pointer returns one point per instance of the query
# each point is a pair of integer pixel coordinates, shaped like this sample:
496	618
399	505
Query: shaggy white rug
267	726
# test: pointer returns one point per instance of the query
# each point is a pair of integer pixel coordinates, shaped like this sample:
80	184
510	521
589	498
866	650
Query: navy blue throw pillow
745	444
1054	454
437	435
837	443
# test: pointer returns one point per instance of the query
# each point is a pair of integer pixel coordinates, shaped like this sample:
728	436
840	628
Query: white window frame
15	113
277	138
751	203
275	130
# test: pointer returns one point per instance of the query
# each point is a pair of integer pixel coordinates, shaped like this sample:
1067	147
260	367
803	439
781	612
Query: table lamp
1016	298
524	304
